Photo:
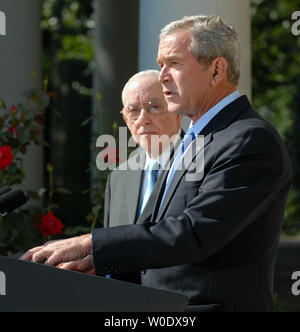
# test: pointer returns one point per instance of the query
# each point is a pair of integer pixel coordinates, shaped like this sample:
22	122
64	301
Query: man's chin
175	109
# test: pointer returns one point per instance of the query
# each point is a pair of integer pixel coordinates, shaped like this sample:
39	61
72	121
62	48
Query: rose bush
21	125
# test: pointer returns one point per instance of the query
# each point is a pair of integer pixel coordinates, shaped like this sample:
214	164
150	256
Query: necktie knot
188	139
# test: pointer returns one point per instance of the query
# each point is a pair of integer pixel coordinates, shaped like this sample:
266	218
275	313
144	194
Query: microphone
11	200
4	190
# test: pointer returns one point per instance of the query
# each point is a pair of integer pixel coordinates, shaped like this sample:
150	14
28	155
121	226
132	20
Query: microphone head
12	200
4	190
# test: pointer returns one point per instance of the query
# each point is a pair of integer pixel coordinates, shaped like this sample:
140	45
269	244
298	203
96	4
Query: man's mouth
168	93
146	133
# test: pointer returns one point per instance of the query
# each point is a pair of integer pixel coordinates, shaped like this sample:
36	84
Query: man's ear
219	69
125	119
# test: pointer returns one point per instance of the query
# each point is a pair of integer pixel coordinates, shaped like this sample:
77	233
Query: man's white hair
154	73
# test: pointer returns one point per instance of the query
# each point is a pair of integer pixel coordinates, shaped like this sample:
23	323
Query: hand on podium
71	254
85	265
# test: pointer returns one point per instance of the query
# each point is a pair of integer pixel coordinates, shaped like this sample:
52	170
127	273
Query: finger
73	266
41	255
55	258
90	267
84	265
28	255
91	272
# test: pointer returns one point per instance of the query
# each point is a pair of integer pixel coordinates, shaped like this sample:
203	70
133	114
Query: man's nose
145	117
164	75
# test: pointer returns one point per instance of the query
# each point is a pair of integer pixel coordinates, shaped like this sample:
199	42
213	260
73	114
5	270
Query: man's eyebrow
167	58
130	104
154	100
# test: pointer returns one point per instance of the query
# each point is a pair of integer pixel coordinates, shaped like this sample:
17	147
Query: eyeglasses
133	113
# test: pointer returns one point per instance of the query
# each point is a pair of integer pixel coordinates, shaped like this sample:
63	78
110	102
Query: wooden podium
34	287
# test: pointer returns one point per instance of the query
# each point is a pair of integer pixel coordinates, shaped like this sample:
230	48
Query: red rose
50	225
14	109
52	94
6	156
111	156
13	130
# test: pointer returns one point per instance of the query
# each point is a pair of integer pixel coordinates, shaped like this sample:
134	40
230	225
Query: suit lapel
135	178
178	176
163	180
149	210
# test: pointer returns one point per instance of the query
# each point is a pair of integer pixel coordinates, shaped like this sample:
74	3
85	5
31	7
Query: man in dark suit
214	232
214	239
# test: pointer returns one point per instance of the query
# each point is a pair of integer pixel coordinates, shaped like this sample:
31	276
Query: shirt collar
210	114
164	158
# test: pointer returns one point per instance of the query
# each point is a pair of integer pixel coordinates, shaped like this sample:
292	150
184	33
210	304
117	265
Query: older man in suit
126	195
213	238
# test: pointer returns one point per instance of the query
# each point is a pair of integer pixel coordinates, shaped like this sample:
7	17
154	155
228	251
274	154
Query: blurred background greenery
68	55
276	84
68	61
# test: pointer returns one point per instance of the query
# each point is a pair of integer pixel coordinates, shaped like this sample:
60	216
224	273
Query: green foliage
69	24
68	55
276	83
278	306
20	126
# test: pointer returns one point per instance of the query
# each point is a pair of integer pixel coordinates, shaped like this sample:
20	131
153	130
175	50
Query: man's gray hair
211	37
154	73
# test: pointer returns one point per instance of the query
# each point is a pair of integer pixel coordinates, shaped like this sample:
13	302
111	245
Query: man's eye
156	108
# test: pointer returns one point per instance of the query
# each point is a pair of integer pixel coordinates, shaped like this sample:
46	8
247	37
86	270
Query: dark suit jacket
214	239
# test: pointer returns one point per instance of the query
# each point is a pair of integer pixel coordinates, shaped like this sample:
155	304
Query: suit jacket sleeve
245	177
